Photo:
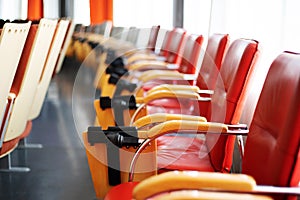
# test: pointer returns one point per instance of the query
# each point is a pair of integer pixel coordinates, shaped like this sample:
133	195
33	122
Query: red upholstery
272	148
190	54
235	73
165	45
153	37
175	48
212	61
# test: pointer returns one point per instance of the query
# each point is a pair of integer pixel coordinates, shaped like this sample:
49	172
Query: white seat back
12	40
48	69
34	67
65	47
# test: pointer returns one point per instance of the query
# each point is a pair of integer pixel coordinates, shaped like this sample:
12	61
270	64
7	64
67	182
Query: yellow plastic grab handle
182	126
141	56
176	180
163	117
159	73
168	94
162	75
144	65
191	88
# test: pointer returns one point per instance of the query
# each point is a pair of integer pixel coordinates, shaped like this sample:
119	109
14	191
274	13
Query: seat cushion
183	153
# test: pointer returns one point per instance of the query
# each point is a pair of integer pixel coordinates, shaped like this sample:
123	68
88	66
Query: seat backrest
228	98
153	37
191	54
12	40
273	142
65	46
28	74
212	60
207	76
48	69
176	45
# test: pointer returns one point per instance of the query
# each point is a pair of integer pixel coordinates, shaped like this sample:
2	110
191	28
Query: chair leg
5	165
24	145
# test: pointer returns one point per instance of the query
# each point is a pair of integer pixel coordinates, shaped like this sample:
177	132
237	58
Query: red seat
226	105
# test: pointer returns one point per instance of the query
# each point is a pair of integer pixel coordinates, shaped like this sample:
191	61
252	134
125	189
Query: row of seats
32	52
146	94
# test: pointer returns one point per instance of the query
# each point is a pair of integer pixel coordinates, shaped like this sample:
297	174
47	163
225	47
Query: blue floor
59	170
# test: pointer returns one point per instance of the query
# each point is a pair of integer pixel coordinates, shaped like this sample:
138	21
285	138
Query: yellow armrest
190	88
140	56
158	73
162	117
161	74
144	65
176	180
167	94
182	126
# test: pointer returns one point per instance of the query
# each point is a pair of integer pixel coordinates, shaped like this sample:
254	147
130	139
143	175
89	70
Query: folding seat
46	75
65	46
272	147
24	85
13	38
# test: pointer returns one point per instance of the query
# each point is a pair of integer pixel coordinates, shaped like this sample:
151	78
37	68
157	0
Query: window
81	12
51	8
13	9
197	16
143	13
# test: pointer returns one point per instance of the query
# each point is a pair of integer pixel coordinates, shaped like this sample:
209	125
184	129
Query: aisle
59	170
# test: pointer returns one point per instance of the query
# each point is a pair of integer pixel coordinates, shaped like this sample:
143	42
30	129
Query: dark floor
59	170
